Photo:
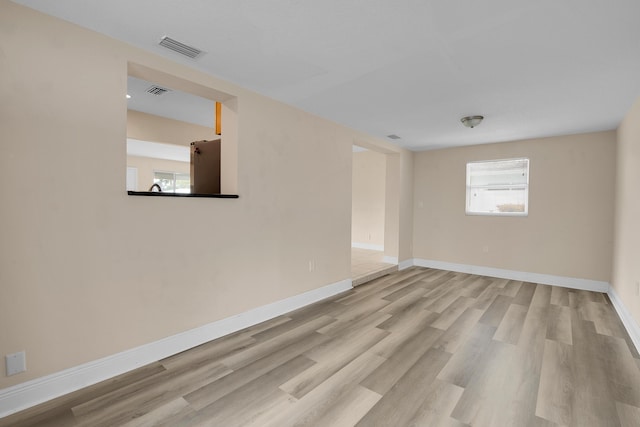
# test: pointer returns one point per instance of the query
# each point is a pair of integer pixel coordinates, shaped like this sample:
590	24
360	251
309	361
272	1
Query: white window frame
469	189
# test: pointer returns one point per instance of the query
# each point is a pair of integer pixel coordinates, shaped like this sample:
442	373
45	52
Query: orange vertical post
218	118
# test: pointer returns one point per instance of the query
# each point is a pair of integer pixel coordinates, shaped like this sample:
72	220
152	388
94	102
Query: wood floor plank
252	399
407	316
486	298
511	288
511	325
327	307
437	407
451	313
402	303
401	332
475	288
60	408
592	402
484	398
459	330
281	328
525	294
446	283
315	404
559	324
496	311
175	408
560	296
340	329
401	403
464	362
629	415
365	309
383	379
60	418
555	393
253	353
619	366
331	361
349	409
541	296
409	285
215	390
607	322
440	298
524	370
121	406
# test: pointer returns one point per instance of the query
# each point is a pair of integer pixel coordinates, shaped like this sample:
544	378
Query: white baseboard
405	264
627	320
39	390
367	246
390	259
546	279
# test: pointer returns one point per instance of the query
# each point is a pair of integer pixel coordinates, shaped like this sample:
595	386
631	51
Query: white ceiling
173	104
406	67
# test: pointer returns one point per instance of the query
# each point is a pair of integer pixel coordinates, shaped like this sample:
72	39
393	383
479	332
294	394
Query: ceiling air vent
181	48
157	90
393	136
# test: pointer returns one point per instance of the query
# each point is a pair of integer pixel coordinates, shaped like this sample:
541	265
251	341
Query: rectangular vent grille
393	136
181	48
157	90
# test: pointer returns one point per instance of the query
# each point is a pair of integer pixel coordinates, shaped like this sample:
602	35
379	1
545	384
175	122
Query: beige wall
405	211
148	127
146	167
626	260
392	207
568	231
84	272
368	198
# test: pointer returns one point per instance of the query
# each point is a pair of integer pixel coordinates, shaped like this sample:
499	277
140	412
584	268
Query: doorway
369	216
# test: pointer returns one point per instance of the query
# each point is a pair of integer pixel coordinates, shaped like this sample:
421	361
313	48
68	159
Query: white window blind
498	187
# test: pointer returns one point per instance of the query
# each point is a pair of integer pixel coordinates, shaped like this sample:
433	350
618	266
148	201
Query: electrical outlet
16	363
312	266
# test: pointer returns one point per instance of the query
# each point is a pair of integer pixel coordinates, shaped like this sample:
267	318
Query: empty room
336	213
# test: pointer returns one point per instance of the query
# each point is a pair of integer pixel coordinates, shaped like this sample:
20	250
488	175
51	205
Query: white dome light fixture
472	121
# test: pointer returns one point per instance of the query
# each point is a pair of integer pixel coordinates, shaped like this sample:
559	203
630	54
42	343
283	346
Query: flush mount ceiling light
471	121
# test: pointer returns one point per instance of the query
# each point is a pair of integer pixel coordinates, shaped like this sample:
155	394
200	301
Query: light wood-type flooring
367	264
420	347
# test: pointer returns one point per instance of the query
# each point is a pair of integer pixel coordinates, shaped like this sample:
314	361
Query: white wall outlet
16	363
312	266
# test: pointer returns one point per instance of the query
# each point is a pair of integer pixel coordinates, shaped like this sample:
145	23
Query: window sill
160	194
523	214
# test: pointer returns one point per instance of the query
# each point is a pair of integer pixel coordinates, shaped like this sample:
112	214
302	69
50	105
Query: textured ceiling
173	104
407	67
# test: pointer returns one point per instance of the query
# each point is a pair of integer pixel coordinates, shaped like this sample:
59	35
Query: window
498	187
172	182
